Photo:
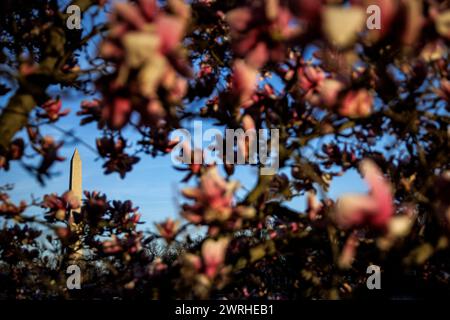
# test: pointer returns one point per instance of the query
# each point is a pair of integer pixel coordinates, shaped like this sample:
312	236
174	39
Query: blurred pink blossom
374	209
213	253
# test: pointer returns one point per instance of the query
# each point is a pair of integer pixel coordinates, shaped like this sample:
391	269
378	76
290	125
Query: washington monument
75	184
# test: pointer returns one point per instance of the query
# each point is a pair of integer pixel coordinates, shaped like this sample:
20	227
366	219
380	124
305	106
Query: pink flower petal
239	18
170	31
130	14
244	80
380	192
149	8
258	57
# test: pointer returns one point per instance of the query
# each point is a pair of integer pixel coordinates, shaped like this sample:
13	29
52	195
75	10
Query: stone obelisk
75	184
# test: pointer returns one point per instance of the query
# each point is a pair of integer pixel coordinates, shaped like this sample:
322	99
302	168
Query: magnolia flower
328	91
117	112
193	158
213	253
143	41
248	123
433	51
8	208
48	148
14	152
130	243
134	219
193	261
316	88
244	145
168	229
95	202
314	206
310	77
92	111
375	209
214	203
157	266
112	246
53	110
64	234
244	81
205	70
213	198
356	104
124	214
208	264
118	160
259	31
133	242
398	226
348	252
259	34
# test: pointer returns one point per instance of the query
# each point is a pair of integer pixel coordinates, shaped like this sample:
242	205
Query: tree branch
15	116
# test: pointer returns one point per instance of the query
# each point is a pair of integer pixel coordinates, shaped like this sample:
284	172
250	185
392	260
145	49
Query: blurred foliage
343	96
